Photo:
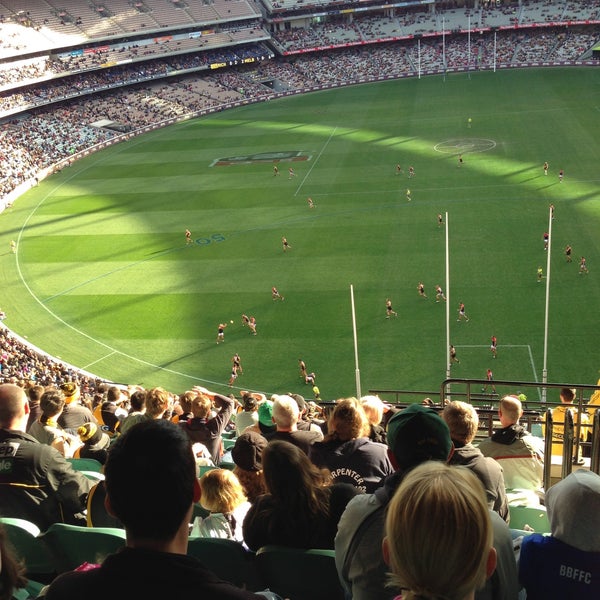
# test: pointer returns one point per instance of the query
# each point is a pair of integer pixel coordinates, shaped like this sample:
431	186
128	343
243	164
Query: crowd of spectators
288	487
64	129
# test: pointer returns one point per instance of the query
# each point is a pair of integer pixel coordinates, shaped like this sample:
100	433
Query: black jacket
146	574
361	462
37	483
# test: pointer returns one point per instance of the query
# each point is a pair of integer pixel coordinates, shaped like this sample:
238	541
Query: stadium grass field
104	280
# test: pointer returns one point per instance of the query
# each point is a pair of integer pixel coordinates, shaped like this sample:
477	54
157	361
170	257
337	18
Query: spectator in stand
299	510
151	487
463	422
285	416
305	421
373	407
205	429
348	452
248	415
158	402
47	430
247	456
559	415
593	403
37	482
137	411
265	423
223	496
34	392
75	414
95	443
520	454
438	540
566	564
185	403
111	412
415	435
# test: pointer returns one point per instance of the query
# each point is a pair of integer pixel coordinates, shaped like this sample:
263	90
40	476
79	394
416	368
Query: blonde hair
462	421
157	402
438	533
373	407
201	406
511	408
348	420
221	491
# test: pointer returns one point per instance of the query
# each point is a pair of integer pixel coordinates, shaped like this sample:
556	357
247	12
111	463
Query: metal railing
485	395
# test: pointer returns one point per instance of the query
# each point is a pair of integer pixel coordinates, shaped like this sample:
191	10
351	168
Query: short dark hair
113	394
52	402
138	400
150	474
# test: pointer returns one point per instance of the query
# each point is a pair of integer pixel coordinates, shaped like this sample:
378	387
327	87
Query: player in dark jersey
389	311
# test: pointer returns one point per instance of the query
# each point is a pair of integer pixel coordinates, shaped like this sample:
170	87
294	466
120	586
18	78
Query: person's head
248	450
291	478
52	403
137	402
35	393
438	534
265	417
285	412
14	408
151	480
185	401
221	491
574	510
348	420
201	406
510	410
249	402
373	407
462	421
71	392
114	394
301	402
157	402
417	434
567	395
92	436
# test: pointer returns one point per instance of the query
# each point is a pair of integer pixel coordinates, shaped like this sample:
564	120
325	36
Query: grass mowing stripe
158	318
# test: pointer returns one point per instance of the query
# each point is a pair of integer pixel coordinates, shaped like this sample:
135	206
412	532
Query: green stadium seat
298	574
30	591
86	464
29	547
228	560
72	545
228	443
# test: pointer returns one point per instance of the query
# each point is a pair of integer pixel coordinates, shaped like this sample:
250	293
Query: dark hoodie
509	435
360	462
489	473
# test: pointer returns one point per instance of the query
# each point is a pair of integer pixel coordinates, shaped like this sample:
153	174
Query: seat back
72	545
97	515
228	560
24	537
529	518
85	464
297	574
